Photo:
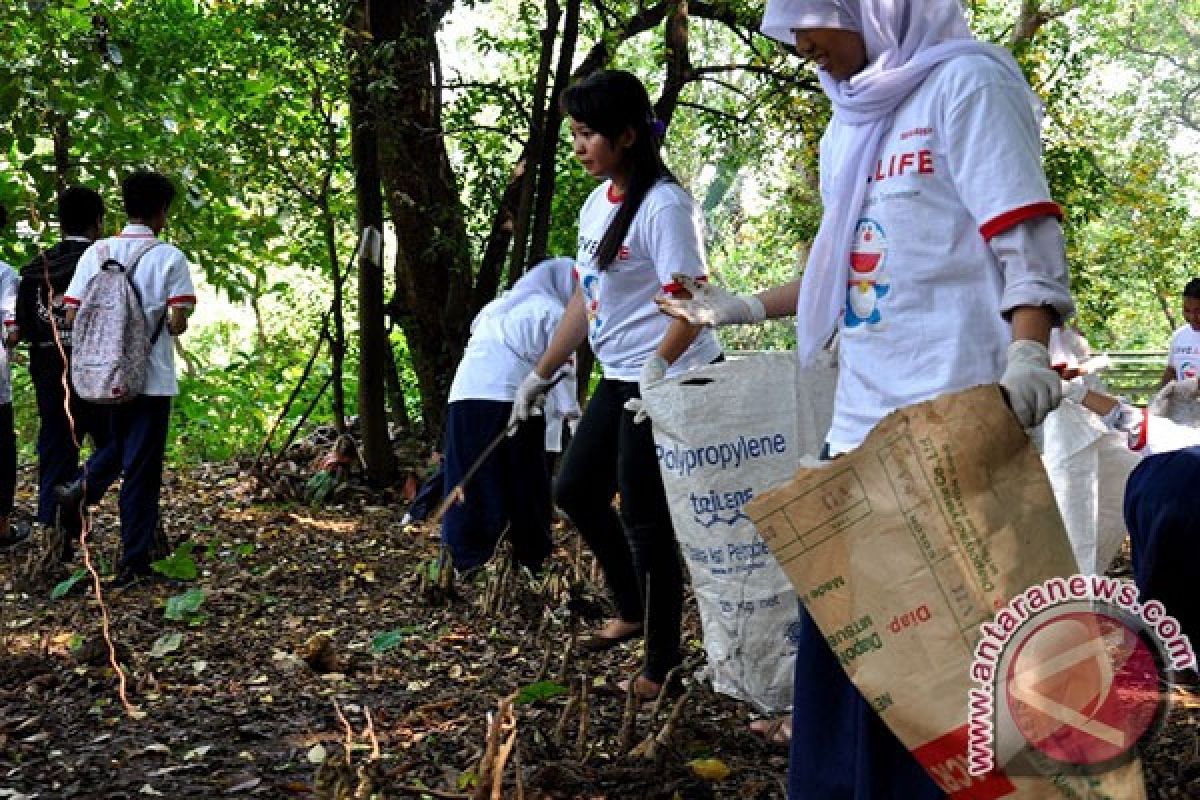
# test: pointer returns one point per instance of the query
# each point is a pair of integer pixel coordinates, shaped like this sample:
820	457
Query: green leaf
390	639
181	606
167	643
542	690
179	565
65	586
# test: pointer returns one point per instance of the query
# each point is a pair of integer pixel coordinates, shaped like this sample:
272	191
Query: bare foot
617	629
776	731
612	633
644	689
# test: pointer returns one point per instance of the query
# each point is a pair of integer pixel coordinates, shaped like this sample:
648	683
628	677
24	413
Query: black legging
637	550
8	460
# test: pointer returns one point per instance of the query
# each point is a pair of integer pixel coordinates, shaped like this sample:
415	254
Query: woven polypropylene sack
723	434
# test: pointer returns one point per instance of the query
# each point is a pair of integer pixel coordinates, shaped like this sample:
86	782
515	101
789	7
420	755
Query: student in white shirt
139	426
511	489
939	260
41	317
1183	357
636	230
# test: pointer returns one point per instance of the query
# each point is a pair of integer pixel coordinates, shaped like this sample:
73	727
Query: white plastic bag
724	434
1088	466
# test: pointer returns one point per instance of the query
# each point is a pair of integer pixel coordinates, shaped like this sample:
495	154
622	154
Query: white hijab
905	41
552	279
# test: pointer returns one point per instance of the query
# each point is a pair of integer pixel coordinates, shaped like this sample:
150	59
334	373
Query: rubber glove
710	305
531	395
1179	390
1074	390
653	371
1032	387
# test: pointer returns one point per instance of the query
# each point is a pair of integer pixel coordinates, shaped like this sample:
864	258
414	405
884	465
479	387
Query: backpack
110	343
35	309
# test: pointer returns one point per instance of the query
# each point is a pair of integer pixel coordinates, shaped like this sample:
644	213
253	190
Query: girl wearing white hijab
939	261
512	488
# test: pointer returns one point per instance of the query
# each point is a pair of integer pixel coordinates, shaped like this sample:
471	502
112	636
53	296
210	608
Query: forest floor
314	657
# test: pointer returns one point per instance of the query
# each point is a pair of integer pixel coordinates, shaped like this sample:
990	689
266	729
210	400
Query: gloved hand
653	371
1074	390
1032	387
531	395
1187	390
710	305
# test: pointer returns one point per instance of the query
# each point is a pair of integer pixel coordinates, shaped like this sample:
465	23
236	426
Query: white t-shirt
1184	356
502	350
163	280
665	237
925	291
9	280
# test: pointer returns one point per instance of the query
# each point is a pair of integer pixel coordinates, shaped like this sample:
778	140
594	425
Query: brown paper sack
902	548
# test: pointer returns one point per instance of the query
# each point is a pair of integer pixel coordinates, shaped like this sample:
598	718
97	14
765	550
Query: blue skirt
510	493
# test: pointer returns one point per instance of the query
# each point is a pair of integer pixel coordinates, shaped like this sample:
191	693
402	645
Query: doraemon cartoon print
868	282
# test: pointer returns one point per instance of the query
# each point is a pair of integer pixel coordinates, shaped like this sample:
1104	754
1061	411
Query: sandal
597	642
18	531
776	731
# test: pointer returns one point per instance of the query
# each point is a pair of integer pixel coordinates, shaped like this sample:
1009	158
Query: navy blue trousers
8	460
1162	514
636	549
841	749
139	442
510	491
58	457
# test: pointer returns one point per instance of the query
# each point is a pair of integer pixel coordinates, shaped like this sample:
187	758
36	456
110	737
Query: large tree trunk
433	271
373	343
540	234
537	141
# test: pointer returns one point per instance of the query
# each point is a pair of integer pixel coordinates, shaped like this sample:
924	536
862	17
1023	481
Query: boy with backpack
10	533
41	318
123	354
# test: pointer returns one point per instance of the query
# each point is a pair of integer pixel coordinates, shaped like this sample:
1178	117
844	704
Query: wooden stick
581	742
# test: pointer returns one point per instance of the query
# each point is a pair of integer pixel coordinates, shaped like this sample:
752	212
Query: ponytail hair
609	102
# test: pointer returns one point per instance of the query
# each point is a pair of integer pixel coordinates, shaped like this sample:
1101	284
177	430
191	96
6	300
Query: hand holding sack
1032	387
653	371
710	305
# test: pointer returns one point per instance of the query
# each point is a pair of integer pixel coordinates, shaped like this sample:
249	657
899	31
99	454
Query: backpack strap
106	261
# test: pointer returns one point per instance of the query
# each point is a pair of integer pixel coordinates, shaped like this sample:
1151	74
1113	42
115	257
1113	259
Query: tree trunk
546	167
537	141
433	271
679	65
378	455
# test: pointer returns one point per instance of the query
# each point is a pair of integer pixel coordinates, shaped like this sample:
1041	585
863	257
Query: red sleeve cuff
182	300
1141	440
675	287
10	323
70	301
1011	219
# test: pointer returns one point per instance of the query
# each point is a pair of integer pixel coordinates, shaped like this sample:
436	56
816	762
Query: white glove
1182	390
710	305
531	395
1074	390
1032	387
653	371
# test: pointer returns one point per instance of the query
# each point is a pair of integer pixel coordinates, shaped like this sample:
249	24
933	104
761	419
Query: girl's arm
780	301
676	340
568	336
